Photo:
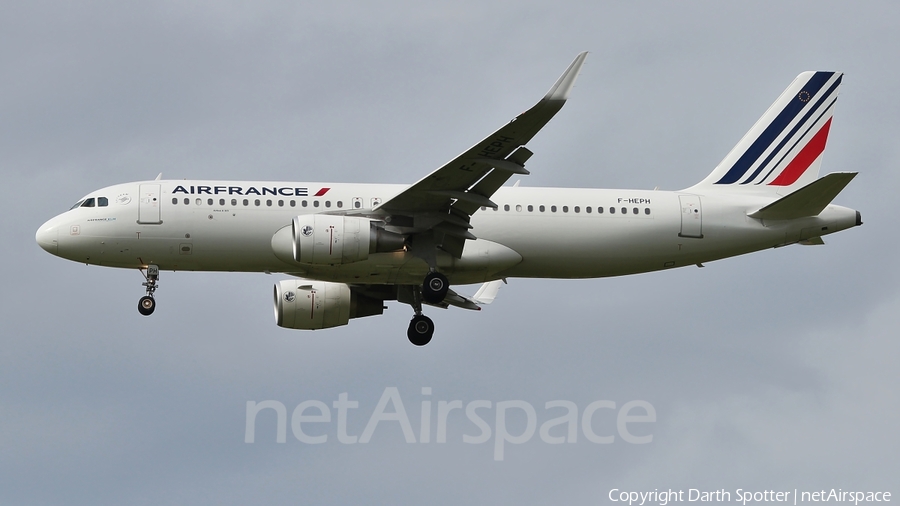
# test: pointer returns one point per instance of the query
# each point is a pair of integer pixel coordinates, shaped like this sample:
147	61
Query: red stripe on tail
804	158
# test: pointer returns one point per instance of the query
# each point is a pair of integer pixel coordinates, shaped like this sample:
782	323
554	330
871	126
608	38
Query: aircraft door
691	216
148	204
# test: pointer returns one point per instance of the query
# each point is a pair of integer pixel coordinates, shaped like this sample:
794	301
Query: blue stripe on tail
784	118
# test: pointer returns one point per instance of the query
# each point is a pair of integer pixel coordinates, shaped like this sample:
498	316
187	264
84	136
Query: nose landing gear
147	304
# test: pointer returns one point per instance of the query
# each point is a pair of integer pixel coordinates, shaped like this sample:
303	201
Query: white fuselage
536	232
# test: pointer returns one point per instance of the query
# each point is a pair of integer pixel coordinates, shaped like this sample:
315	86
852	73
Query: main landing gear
147	304
435	287
433	291
421	328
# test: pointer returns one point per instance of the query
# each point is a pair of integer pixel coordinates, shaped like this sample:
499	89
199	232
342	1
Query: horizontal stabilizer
807	201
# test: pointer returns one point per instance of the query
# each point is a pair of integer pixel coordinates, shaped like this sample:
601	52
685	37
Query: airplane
348	248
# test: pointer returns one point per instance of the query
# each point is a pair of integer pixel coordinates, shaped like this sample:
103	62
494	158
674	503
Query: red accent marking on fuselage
321	192
804	158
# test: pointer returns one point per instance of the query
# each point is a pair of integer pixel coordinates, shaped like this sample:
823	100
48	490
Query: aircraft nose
47	238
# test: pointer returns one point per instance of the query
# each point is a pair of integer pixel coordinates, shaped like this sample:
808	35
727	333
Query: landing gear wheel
435	288
421	328
146	305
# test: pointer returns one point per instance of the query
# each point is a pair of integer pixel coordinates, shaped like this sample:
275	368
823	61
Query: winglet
560	90
488	292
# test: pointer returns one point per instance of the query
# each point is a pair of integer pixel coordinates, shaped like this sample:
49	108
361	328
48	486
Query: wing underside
435	211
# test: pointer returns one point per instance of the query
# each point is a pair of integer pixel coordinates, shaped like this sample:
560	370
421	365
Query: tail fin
783	150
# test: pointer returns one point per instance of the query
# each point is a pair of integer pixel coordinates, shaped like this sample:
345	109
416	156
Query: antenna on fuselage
158	177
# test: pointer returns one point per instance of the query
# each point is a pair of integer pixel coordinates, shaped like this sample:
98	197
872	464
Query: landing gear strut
147	303
421	328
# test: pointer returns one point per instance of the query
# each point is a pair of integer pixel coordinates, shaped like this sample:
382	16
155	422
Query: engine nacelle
323	239
310	305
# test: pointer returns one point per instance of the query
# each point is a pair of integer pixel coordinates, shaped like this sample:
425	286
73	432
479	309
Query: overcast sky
776	370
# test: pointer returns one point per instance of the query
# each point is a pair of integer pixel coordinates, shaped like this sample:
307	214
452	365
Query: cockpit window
77	204
88	202
102	202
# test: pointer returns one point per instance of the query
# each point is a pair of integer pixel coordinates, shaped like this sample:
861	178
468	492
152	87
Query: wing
442	202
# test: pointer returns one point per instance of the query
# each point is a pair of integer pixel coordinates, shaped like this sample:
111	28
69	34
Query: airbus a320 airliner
350	247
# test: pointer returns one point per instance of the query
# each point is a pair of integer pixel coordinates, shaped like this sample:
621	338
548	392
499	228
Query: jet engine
323	239
310	305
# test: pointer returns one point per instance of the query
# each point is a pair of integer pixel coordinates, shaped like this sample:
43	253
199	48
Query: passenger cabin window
553	209
541	208
174	200
187	201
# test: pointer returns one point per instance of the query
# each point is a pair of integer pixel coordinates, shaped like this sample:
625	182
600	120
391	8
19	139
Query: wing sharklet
560	90
488	291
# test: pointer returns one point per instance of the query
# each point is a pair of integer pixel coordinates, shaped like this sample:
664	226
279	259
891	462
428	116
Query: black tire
146	305
421	329
435	288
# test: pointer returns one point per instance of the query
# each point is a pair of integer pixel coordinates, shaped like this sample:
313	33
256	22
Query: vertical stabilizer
783	150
